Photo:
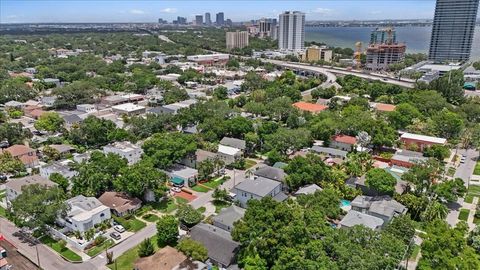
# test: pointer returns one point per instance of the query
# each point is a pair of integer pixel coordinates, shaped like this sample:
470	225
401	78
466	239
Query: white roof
128	107
232	151
424	138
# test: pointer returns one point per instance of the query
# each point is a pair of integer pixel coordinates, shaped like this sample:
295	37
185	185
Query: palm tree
435	210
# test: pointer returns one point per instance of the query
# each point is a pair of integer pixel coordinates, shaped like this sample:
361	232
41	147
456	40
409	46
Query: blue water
345	203
417	38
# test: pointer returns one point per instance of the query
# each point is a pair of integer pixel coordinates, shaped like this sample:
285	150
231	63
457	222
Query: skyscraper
220	20
238	39
198	20
291	32
208	20
453	29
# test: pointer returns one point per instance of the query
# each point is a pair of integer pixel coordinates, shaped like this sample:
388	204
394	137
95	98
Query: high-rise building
162	21
264	28
220	19
384	49
180	20
198	20
208	20
291	32
238	39
453	29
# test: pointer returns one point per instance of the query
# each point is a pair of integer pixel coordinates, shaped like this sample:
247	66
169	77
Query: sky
40	11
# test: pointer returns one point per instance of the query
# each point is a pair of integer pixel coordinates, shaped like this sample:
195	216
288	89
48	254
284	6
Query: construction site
384	49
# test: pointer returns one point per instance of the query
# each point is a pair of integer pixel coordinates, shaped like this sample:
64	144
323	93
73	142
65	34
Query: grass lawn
150	217
164	206
213	184
127	259
474	190
219	205
469	198
66	252
463	214
477	168
97	249
415	251
249	163
476	221
181	200
202	209
199	188
131	223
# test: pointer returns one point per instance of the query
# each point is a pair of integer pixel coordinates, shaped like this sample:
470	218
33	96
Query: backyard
63	251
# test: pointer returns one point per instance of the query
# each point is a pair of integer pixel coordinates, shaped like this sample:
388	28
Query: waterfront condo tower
291	32
453	29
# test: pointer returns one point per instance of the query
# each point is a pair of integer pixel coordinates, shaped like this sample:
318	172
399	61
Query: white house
129	109
258	189
229	154
126	150
84	213
60	167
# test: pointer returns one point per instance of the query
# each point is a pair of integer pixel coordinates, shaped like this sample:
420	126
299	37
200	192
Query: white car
176	189
119	228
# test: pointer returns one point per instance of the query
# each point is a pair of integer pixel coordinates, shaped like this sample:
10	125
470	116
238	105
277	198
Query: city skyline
27	11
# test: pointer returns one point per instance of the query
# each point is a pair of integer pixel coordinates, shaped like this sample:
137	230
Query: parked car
176	189
116	235
119	228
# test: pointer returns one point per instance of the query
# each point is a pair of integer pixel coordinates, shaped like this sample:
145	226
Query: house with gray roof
353	218
72	119
258	189
228	216
383	207
270	172
233	142
14	186
307	190
222	250
330	152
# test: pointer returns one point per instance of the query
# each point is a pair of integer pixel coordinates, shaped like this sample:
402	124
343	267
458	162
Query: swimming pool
345	203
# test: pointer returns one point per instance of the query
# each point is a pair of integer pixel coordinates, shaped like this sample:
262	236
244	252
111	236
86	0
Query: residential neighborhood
162	147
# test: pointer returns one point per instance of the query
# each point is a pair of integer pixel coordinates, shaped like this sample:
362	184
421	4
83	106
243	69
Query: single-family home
420	142
406	159
382	107
231	149
308	190
222	250
227	217
360	183
72	120
258	189
27	155
353	218
84	213
14	186
48	101
120	203
310	107
343	142
233	142
61	167
182	176
383	207
271	173
62	149
131	152
86	108
330	152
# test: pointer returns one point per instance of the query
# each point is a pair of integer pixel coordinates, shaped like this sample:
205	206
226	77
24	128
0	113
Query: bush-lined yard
94	251
463	214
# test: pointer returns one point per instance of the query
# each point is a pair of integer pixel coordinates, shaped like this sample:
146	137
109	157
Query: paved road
464	171
330	73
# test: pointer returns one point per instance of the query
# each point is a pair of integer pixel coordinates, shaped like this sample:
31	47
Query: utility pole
38	257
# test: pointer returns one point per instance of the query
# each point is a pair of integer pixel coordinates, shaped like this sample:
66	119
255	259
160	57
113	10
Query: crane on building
358	54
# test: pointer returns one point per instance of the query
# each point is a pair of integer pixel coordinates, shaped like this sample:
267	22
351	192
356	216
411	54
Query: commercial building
208	20
180	20
220	19
237	39
128	109
291	32
384	49
198	20
420	142
267	28
316	53
453	30
217	59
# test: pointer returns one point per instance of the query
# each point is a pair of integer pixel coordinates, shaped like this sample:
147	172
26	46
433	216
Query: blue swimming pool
345	203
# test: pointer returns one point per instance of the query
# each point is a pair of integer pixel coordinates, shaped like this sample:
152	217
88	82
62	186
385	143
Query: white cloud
169	10
137	11
12	17
375	12
323	11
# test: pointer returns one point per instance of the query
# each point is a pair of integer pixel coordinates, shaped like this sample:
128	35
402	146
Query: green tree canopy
165	149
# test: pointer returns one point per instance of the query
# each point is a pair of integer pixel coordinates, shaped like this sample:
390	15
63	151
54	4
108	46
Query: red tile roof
385	107
345	139
310	107
19	150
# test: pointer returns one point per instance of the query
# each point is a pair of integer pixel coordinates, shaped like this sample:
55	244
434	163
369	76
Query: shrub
146	248
99	240
193	249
